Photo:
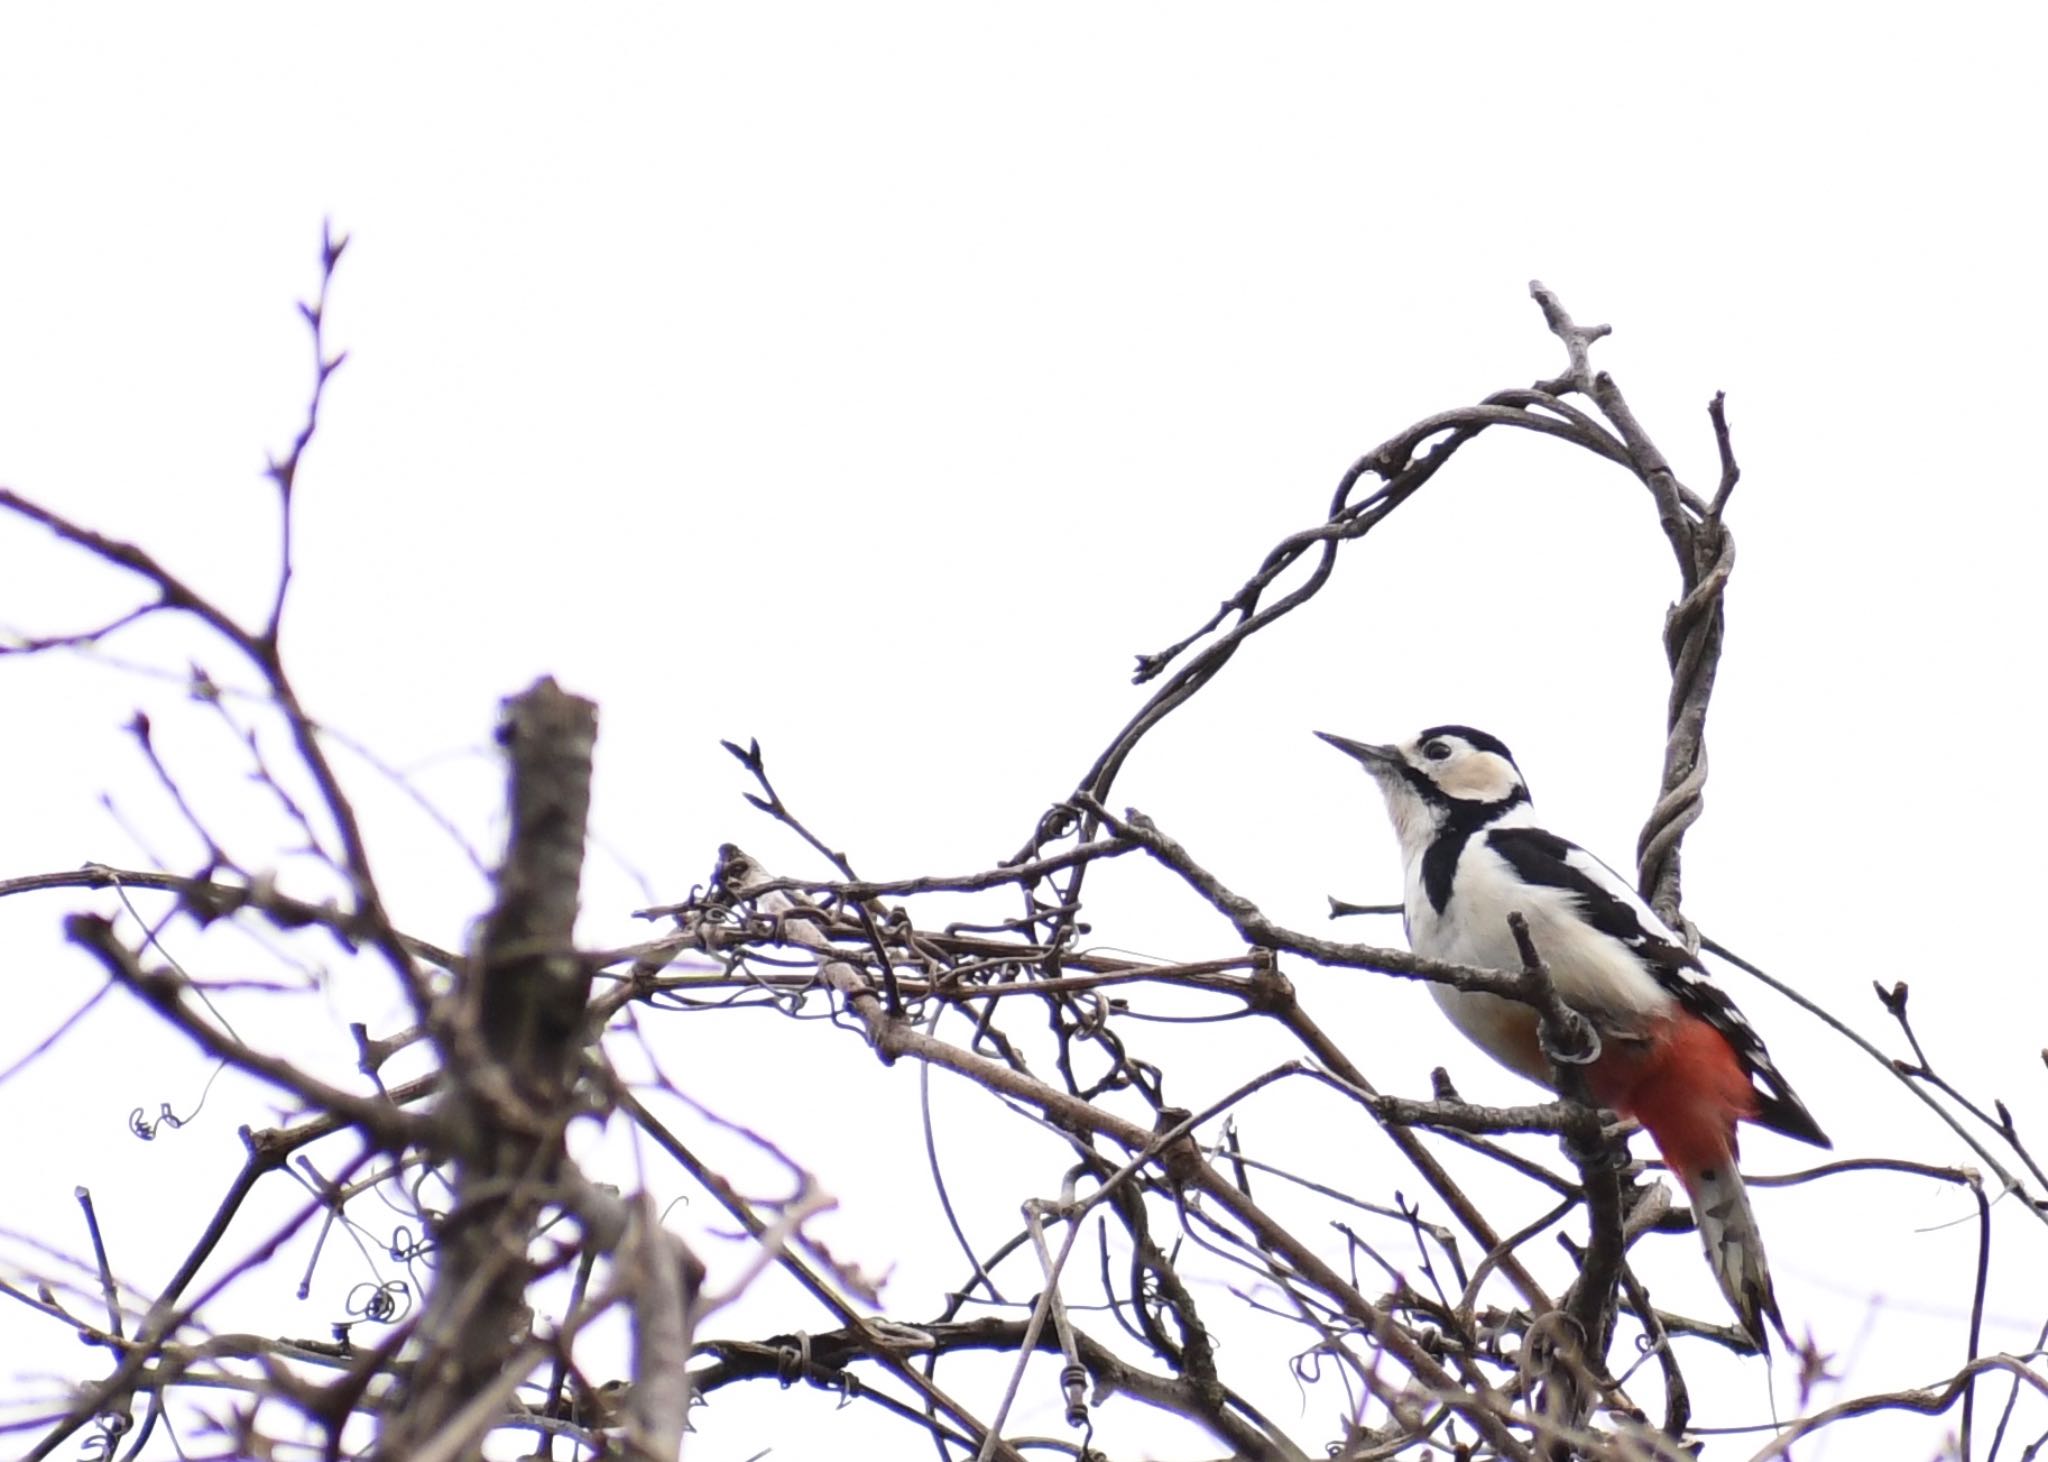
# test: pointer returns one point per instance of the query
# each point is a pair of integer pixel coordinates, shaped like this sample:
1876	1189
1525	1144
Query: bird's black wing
1608	904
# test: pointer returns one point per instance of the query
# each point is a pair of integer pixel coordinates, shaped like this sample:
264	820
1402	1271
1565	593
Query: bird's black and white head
1443	775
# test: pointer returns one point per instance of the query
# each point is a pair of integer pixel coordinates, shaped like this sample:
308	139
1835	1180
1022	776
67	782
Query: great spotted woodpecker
1675	1053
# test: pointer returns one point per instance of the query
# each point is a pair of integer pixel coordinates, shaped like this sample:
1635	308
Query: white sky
878	380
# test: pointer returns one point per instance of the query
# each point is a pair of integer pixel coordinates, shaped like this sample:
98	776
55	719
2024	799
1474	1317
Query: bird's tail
1690	1097
1735	1246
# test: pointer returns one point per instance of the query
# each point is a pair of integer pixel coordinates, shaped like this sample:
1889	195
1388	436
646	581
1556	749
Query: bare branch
517	1251
511	1047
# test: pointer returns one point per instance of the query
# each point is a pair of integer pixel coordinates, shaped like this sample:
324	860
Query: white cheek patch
1481	777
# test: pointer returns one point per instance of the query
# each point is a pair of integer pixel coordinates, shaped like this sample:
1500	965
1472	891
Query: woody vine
1149	1271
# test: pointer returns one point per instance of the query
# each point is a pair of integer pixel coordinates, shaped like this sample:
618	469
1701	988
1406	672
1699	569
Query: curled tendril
379	1304
404	1248
108	1429
793	1362
146	1130
707	906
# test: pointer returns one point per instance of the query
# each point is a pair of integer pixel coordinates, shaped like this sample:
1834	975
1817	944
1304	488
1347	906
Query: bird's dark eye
1437	750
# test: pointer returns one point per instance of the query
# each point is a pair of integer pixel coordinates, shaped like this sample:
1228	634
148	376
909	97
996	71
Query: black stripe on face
1462	820
1461	816
1477	740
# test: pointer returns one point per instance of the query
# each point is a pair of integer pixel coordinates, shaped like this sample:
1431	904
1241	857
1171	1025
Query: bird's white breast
1594	972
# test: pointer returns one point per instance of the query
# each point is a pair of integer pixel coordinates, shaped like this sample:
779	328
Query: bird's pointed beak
1374	757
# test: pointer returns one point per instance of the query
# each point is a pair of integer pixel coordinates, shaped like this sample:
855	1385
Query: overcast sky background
878	380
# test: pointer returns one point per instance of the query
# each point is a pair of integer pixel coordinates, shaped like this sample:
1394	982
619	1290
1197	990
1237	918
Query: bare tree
1149	1276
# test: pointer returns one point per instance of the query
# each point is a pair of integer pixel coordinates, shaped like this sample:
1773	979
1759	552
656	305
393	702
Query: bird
1675	1052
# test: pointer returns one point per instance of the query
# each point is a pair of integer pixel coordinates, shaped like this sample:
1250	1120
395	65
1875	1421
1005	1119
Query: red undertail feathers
1688	1088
